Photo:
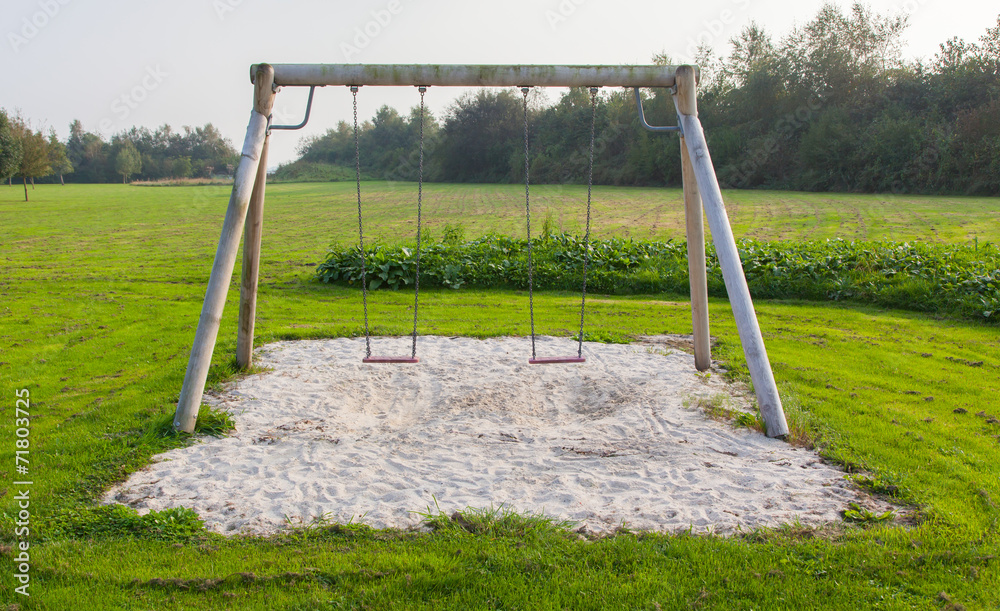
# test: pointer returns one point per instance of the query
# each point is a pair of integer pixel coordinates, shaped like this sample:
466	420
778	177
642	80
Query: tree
826	152
989	48
35	158
89	154
181	167
483	137
127	161
58	159
843	59
11	150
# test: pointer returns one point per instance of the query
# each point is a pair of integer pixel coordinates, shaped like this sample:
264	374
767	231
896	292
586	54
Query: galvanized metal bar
454	75
652	128
309	105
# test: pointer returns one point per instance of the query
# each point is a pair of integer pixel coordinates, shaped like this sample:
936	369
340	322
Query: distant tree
989	48
826	151
35	157
843	59
483	137
11	150
58	159
89	154
181	167
336	146
127	161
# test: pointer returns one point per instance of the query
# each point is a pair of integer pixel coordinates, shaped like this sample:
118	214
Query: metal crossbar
454	75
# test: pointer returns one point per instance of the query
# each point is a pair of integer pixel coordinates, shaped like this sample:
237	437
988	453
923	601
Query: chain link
420	196
527	213
586	236
361	230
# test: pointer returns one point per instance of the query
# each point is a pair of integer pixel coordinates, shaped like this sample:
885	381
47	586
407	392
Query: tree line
830	106
29	154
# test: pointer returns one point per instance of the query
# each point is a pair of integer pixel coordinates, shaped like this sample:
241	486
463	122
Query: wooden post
768	400
687	104
251	264
225	257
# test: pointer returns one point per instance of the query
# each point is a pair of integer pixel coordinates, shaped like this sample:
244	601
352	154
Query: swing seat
551	360
390	359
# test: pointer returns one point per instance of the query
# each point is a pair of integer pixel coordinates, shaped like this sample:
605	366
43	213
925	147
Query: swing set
701	193
412	358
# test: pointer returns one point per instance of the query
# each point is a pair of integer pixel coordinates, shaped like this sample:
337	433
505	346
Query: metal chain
420	195
361	231
527	212
586	237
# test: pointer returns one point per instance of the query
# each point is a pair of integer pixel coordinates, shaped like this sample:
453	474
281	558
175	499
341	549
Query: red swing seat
390	359
550	360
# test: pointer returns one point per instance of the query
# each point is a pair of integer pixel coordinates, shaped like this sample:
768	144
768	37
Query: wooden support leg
697	269
768	400
225	257
251	264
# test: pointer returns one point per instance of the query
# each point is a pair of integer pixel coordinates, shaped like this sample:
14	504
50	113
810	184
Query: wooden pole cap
686	81
263	80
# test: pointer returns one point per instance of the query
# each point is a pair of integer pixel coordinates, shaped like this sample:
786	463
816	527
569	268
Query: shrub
947	279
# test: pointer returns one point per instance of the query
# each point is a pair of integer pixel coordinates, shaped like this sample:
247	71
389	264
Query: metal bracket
309	104
653	128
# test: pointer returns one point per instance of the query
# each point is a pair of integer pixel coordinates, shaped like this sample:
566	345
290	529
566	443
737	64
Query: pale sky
115	64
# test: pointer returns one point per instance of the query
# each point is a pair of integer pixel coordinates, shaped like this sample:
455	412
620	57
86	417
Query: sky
113	64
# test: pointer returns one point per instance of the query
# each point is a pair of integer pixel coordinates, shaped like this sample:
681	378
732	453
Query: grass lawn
102	286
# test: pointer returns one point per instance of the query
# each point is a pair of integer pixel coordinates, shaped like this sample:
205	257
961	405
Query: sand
617	441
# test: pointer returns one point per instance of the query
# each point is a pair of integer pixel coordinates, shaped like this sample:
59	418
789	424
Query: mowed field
101	290
390	210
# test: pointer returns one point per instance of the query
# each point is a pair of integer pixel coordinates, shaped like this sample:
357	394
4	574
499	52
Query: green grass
102	286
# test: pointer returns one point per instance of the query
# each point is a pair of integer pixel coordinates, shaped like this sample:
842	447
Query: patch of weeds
548	225
499	521
731	353
106	521
718	407
859	515
801	427
211	421
219	374
605	337
323	525
214	422
884	484
750	421
453	234
704	375
794	531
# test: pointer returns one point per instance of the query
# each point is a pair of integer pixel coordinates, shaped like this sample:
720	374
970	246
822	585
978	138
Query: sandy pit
616	441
